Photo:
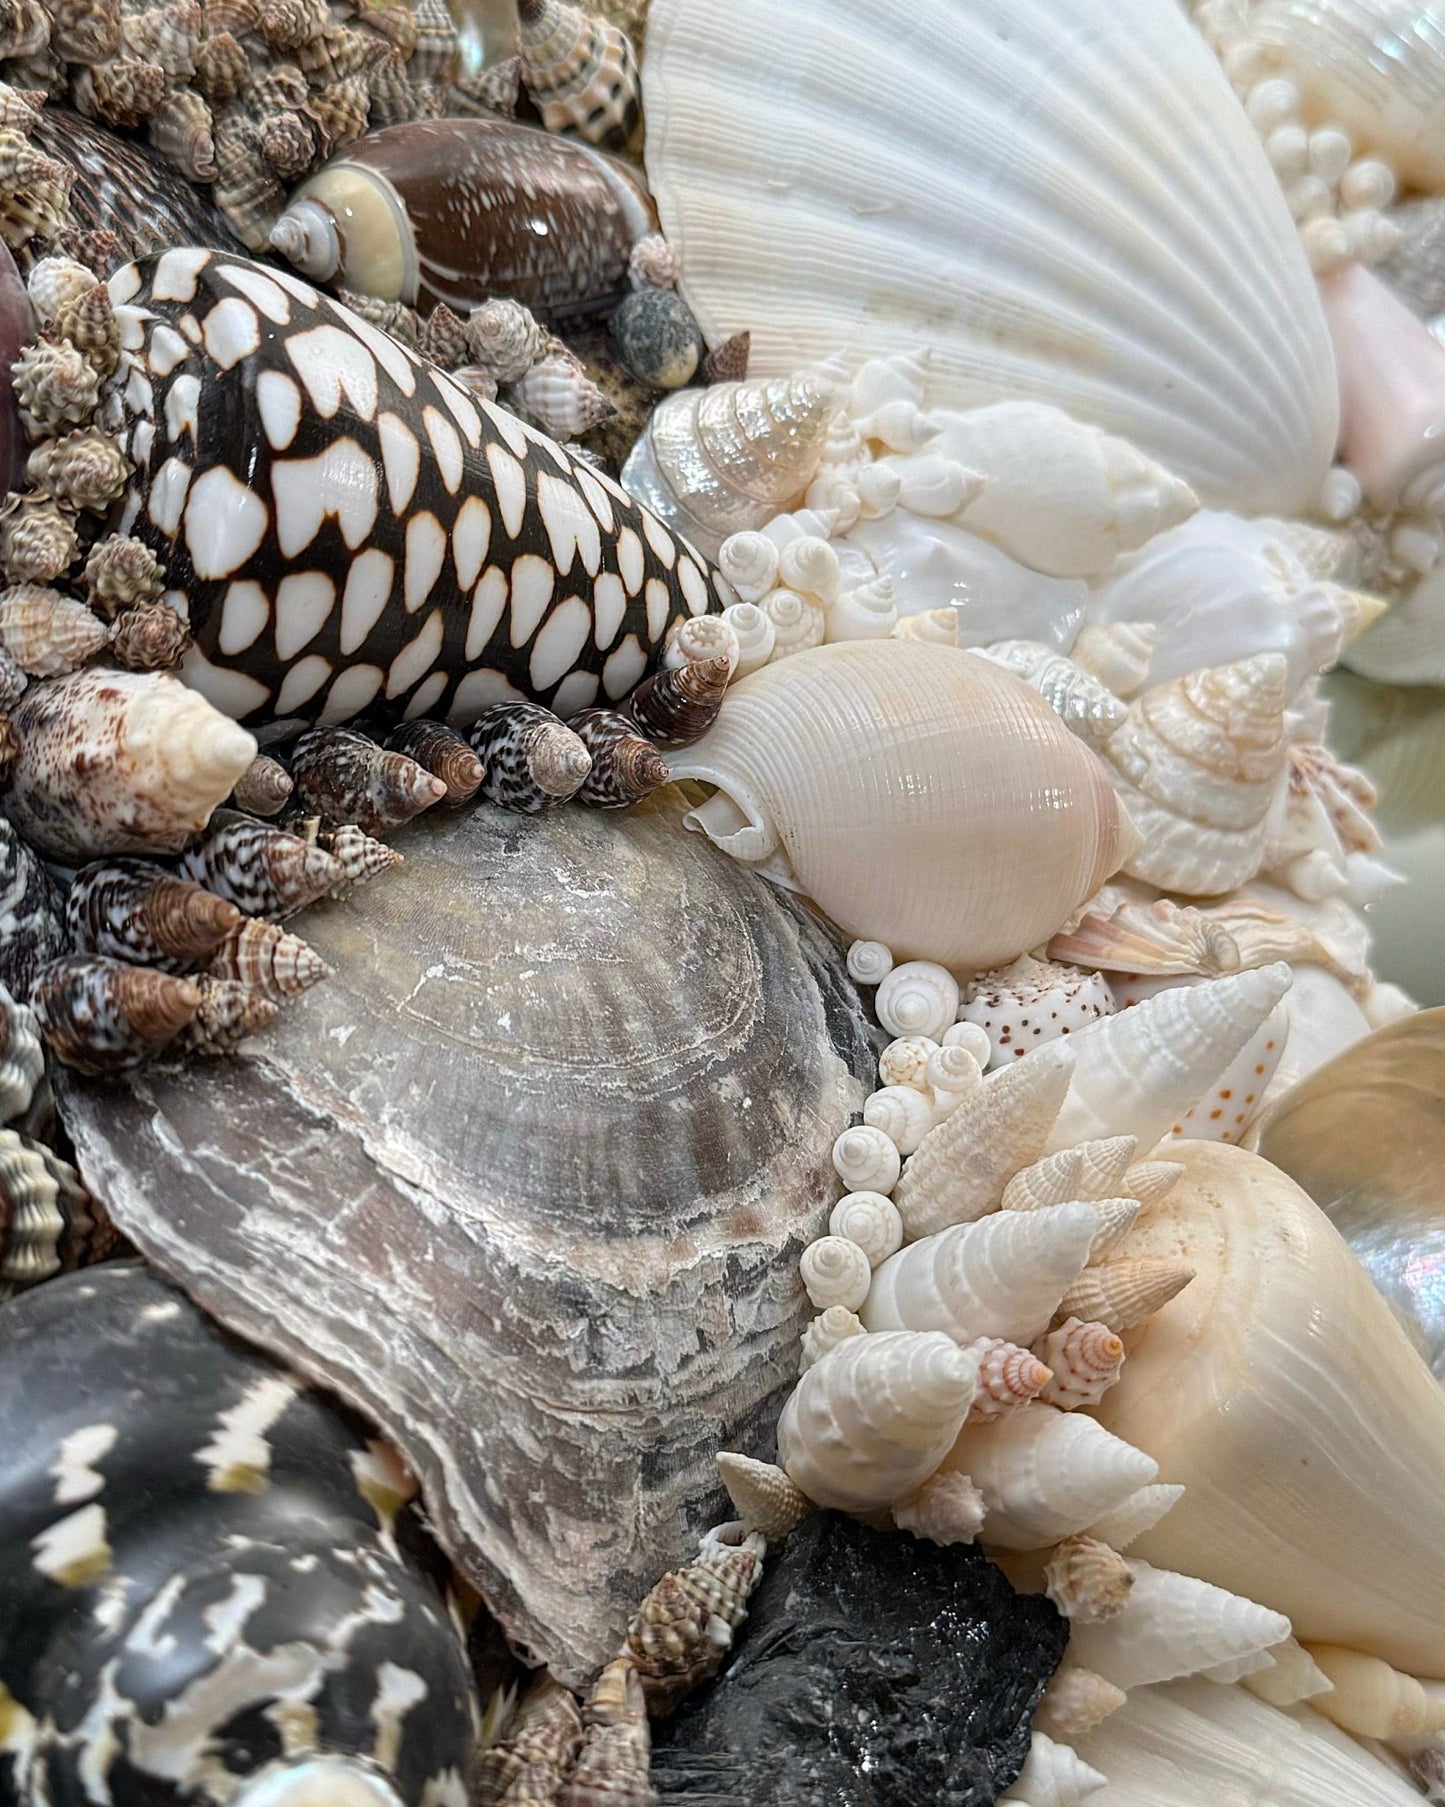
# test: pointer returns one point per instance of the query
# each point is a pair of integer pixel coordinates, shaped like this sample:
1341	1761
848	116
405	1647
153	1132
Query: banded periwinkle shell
347	528
465	210
526	1182
213	1587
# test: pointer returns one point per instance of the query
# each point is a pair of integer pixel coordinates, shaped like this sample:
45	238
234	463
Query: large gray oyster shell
527	1181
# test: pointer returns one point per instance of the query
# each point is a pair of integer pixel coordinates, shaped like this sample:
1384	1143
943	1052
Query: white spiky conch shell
1046	1475
1218	588
887	781
1105	496
871	1421
1173	1625
1279	1389
1139	1071
1002	1276
1089	707
1199	763
1189	1743
1181	317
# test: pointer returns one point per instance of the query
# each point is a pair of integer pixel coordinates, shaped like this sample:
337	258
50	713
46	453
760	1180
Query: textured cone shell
871	1421
1059	1177
1047	1475
135	911
21	1059
1075	1701
1174	1625
1122	1294
1137	1072
1138	1514
1003	1276
1191	326
1280	1391
921	797
762	1495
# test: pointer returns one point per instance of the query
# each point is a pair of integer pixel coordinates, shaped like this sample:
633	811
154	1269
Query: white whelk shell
886	781
755	635
867	612
870	1422
1292	1676
749	561
1054	1775
1137	1514
1189	325
959	1171
1174	1625
947	1509
1000	1277
1105	496
836	1272
1199	763
1031	1002
1140	1070
872	1222
1075	1701
826	1331
1085	706
905	1061
1117	653
866	1160
918	998
1046	1475
904	1115
798	622
1370	1699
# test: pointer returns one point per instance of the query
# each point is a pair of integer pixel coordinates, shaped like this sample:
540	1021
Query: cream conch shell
887	780
870	1422
1280	1390
1075	1701
1372	1700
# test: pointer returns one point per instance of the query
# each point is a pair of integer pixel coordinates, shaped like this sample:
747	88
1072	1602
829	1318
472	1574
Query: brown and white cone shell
1087	1580
1031	1002
826	1331
345	777
47	634
1123	1294
676	707
1085	1359
533	760
1075	1701
1009	1376
102	1016
360	856
682	1631
762	1495
269	959
22	1063
440	750
49	1222
264	788
871	1421
540	1746
120	762
264	871
229	1012
134	911
947	1509
613	1763
625	767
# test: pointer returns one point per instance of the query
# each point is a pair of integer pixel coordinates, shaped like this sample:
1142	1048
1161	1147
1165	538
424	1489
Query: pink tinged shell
1226	1111
921	797
1084	1360
1392	391
1008	1378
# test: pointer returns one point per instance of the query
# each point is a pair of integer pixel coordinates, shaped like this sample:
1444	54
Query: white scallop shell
1173	1625
805	201
1046	1475
1000	1277
870	1422
888	781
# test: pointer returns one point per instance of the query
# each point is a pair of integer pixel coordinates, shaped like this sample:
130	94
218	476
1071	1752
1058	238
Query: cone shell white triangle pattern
347	528
806	202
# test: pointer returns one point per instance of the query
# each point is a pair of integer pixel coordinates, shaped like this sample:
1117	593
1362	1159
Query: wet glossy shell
350	530
517	1111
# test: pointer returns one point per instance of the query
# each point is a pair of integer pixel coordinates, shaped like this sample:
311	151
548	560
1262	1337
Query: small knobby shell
21	1061
682	1631
1008	1378
866	1160
826	1331
905	1061
695	637
1087	1580
918	998
799	623
268	958
836	1272
872	1222
947	1509
921	797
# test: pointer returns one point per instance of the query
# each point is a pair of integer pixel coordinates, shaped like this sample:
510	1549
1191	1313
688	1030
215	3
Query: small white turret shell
1075	1701
1138	1514
1002	1276
756	636
836	1272
886	781
798	622
826	1331
904	1115
870	1422
809	565
1293	1675
1173	1625
1370	1699
869	962
871	1221
1138	1071
951	1074
934	627
1054	1775
866	1160
867	612
947	1509
1047	1475
749	561
959	1170
971	1037
918	998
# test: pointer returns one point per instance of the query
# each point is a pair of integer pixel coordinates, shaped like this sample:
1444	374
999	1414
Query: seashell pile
950	458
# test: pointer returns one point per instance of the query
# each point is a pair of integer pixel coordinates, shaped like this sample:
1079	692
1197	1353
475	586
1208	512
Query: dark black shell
350	530
206	1569
124	187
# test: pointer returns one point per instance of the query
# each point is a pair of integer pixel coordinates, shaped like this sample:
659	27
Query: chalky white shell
921	797
805	201
1173	1625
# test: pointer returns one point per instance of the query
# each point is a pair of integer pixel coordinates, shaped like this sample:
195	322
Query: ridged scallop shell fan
1062	202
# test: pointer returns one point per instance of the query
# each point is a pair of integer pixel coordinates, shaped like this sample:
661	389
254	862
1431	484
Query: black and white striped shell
526	1181
348	529
209	1574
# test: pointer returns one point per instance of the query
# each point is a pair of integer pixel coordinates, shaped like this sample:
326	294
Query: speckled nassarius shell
348	529
923	797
